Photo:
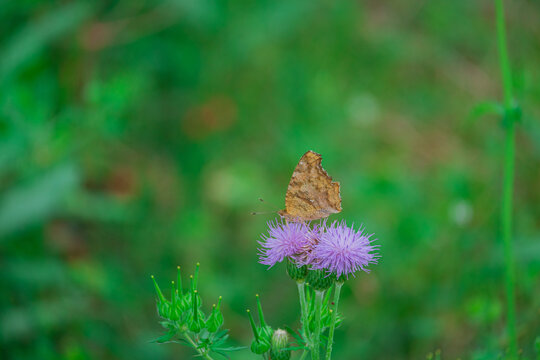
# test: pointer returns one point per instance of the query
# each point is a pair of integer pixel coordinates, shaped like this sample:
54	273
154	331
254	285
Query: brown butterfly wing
311	193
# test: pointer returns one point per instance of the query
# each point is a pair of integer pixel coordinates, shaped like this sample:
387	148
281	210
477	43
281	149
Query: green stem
317	332
333	322
303	313
508	184
503	54
303	307
509	155
201	353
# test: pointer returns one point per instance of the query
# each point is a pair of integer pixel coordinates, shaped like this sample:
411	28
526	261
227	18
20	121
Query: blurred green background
138	135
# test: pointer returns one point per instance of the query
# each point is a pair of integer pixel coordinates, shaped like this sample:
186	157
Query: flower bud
296	273
161	298
164	310
195	322
195	277
215	320
259	347
260	344
175	311
320	280
194	326
179	281
183	302
163	306
280	344
265	330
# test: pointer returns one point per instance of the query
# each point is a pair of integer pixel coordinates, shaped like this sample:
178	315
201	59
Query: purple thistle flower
343	250
284	239
305	256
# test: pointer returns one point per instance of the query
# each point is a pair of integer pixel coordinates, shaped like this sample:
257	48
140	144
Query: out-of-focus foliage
138	135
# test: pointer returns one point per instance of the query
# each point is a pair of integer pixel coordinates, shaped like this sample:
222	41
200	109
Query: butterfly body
311	193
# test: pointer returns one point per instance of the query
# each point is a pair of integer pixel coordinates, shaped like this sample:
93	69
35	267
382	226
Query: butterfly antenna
264	212
261	212
266	202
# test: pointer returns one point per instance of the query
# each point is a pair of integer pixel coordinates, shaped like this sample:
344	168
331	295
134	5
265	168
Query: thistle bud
320	280
280	344
296	273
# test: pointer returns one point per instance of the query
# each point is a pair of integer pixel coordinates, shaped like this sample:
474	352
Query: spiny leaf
166	337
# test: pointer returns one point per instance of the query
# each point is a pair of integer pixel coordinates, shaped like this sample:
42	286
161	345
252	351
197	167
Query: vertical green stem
508	185
303	307
503	54
509	155
303	312
315	351
333	322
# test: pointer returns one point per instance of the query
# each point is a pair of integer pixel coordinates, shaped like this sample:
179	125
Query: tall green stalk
315	351
337	292
303	312
508	184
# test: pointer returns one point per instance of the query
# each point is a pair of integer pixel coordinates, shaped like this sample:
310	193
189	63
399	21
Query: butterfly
311	194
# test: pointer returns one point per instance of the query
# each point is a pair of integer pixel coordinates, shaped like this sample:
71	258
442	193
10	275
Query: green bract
296	273
320	280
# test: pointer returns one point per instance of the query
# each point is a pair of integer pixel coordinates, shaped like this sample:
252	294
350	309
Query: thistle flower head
304	257
343	250
284	239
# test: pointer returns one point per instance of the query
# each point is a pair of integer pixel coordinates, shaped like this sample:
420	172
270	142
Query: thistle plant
186	323
319	258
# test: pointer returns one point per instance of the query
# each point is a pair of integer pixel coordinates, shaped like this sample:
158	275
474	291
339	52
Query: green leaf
223	351
294	334
486	107
230	348
166	338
